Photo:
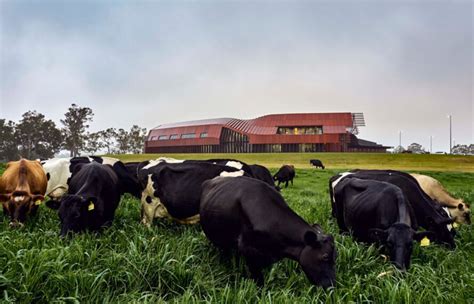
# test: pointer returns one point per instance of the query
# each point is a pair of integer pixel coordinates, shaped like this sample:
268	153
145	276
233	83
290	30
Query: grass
177	264
420	162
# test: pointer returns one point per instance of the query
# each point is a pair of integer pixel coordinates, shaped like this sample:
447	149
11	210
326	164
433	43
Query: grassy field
177	264
420	162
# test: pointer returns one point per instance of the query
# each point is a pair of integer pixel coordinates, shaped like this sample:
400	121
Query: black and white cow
59	171
248	215
316	163
263	174
375	211
173	190
92	198
284	175
429	215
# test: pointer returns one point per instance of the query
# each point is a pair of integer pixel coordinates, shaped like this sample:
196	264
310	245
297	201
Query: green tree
37	137
107	137
123	141
75	127
8	145
137	137
94	143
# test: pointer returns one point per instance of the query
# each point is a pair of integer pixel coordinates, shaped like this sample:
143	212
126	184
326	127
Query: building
308	132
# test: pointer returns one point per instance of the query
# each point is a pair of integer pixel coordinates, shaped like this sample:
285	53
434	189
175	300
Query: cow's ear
311	239
378	235
418	236
460	206
53	204
91	202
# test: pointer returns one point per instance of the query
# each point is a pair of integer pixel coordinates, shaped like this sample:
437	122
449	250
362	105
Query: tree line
35	136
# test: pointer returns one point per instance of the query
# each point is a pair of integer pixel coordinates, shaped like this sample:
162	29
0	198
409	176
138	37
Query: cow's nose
16	224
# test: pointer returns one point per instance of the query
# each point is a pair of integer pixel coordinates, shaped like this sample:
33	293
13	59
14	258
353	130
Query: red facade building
308	132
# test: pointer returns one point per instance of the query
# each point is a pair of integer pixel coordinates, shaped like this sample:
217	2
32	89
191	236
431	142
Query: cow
22	189
92	198
429	215
457	208
263	174
379	212
285	175
173	190
316	163
132	168
60	170
249	215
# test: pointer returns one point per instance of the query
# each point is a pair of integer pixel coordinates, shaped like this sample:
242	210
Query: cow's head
461	214
318	258
398	239
75	212
442	228
18	205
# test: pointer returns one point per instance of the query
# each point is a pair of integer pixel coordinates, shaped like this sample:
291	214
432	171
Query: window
203	134
174	136
153	138
300	130
188	135
163	137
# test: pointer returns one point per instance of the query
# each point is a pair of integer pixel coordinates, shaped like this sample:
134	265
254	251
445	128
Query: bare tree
75	126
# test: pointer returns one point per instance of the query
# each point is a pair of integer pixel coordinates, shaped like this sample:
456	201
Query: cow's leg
148	210
256	261
286	184
291	182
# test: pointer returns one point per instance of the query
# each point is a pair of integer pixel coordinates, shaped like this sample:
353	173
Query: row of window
177	136
300	130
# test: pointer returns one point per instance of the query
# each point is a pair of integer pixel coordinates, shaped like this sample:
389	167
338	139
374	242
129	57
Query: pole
431	144
450	135
399	138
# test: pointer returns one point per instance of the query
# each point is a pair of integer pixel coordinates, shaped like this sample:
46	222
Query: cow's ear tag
38	202
425	242
455	225
91	206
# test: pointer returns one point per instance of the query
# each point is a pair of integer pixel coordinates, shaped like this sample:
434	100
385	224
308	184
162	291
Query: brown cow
457	208
22	189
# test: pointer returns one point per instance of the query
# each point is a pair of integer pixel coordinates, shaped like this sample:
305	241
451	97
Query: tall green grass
176	264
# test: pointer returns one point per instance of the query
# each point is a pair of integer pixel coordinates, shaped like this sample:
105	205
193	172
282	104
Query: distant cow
173	190
285	175
379	212
316	163
458	209
91	201
22	189
60	170
248	215
429	215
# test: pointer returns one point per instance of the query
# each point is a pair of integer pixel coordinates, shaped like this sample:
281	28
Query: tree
137	137
123	141
37	137
416	148
107	138
8	146
399	149
75	126
94	143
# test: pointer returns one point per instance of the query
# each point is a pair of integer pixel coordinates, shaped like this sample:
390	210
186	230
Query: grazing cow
285	175
60	170
22	189
316	163
379	212
429	215
93	196
263	174
248	215
132	168
457	208
173	190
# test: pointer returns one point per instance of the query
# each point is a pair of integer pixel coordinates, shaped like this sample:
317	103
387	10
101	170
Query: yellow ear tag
38	202
91	206
425	242
455	225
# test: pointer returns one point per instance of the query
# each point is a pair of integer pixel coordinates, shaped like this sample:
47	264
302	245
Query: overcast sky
405	65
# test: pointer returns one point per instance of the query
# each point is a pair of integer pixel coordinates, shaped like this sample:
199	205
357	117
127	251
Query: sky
406	65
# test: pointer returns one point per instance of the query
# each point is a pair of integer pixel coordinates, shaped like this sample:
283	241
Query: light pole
450	133
400	138
431	144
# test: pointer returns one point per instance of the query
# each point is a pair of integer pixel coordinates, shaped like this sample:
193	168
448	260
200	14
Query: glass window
188	135
174	136
163	137
203	134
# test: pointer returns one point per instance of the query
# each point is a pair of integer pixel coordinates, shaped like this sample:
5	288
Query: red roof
259	130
